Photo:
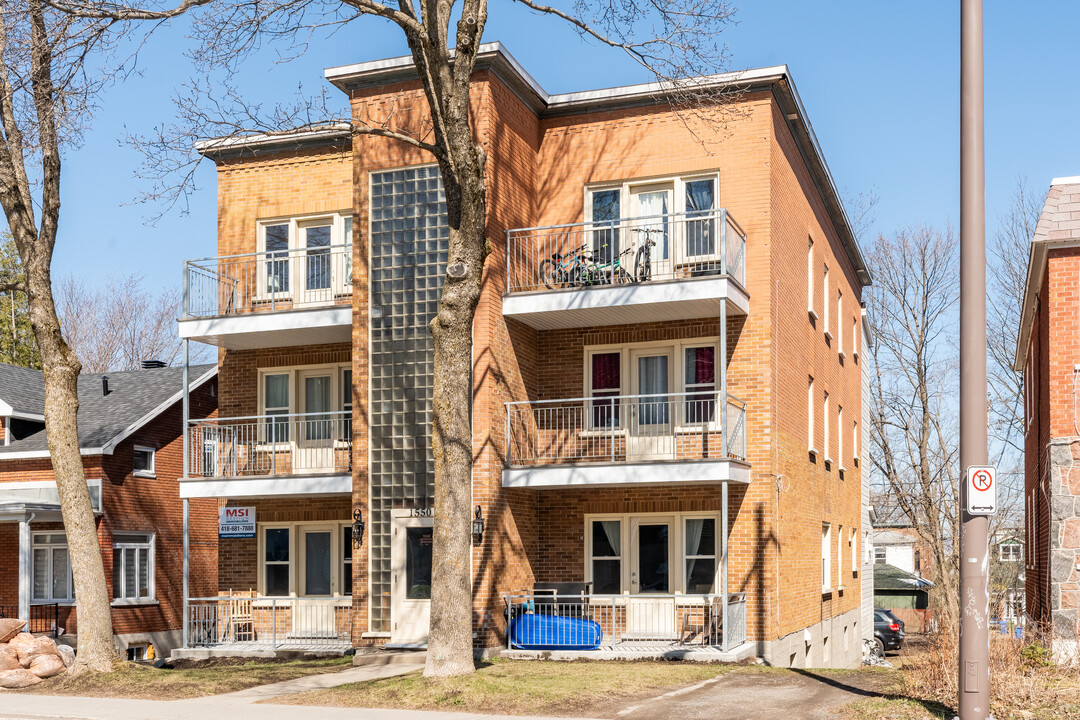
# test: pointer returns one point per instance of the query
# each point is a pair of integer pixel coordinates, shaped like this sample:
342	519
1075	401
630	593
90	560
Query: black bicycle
565	269
643	259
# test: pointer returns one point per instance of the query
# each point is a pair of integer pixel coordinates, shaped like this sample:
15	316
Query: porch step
396	657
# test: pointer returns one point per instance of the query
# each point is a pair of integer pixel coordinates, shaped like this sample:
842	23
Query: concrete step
390	657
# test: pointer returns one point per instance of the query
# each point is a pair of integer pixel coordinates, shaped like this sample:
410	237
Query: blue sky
880	83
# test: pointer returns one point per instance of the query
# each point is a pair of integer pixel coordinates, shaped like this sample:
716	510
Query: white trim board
236	331
266	486
628	474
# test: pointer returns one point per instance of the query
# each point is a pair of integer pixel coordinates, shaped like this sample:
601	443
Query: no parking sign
980	484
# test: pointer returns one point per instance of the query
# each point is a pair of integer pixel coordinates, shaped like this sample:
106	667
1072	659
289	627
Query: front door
410	581
652	224
652	579
313	616
315	444
651	428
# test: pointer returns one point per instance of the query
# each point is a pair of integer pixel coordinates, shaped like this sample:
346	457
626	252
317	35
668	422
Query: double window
667	382
133	566
306	259
305	559
51	568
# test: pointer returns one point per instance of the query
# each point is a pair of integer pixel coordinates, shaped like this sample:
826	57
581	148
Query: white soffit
627	474
266	486
280	329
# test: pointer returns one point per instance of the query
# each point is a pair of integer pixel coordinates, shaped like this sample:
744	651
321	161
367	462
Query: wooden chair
240	622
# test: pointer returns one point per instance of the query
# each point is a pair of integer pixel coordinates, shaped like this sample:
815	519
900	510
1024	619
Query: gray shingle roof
890	577
132	395
22	388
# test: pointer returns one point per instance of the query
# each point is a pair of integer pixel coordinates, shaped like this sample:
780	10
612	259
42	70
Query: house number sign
424	512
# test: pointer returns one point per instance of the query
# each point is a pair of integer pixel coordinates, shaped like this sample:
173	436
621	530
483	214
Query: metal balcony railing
272	445
587	621
625	428
268	281
626	251
270	622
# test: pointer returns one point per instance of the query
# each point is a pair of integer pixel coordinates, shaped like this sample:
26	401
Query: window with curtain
606	383
276	406
701	217
276	561
654	407
133	570
656	228
606	558
51	569
700	384
317	257
606	213
700	555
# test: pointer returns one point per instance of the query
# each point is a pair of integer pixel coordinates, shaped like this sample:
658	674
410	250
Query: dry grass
194	680
519	688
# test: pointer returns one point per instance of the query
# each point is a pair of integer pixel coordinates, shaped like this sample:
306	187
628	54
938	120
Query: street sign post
981	481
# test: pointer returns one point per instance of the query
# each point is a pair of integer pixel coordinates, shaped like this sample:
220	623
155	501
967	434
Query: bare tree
117	326
48	82
675	42
911	311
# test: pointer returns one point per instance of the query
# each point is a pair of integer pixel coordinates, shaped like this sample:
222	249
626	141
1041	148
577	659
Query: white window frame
146	545
826	557
340	235
347	575
810	269
825	417
855	338
50	547
839	557
149	472
826	302
855	441
853	546
621	558
840	438
840	323
295	561
1001	552
884	555
810	401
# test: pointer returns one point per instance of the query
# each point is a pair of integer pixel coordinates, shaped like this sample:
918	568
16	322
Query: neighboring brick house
130	435
1048	355
611	418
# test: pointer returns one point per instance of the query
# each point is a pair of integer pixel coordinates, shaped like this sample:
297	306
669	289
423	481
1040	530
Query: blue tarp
554	632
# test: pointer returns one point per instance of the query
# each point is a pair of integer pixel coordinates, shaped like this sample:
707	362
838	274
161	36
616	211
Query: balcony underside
265	486
685	472
285	328
630	303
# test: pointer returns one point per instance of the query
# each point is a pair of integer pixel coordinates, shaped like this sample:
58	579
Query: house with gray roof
130	437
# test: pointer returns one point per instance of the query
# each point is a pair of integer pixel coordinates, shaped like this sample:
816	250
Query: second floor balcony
283	297
644	269
272	454
662	439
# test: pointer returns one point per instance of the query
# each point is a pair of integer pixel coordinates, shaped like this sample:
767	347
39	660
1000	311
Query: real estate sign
236	522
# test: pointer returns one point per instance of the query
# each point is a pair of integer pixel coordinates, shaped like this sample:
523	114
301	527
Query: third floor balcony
281	297
644	269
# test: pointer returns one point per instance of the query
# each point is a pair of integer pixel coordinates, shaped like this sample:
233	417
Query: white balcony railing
626	251
268	281
627	428
270	622
272	445
591	621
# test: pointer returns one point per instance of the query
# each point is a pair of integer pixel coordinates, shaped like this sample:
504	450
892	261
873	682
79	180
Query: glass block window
409	238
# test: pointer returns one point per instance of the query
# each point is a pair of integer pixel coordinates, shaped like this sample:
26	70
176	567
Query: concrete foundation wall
835	642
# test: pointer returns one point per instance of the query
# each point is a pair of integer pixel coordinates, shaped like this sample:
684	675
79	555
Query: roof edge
108	447
259	143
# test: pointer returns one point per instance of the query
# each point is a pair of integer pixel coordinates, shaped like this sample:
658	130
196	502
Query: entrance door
315	444
652	223
652	579
312	616
410	582
652	417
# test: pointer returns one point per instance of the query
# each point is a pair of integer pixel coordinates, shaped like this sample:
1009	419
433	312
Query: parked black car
894	616
888	631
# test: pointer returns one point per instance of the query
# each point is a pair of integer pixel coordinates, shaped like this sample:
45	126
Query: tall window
810	277
276	406
700	384
276	245
346	402
606	559
840	435
839	555
825	418
701	203
276	561
855	440
840	321
346	559
825	301
133	566
810	415
52	568
855	337
606	387
606	213
826	554
853	545
700	555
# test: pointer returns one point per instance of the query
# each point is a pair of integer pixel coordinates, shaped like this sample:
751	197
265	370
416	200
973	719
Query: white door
410	581
652	223
653	578
316	432
651	427
313	612
315	276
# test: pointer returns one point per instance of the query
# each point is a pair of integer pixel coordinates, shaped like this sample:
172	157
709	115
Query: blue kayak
554	632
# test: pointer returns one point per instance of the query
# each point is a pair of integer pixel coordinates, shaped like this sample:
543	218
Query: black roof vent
104	384
152	364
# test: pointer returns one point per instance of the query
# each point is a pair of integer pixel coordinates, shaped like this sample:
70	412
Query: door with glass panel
652	578
651	428
410	581
312	617
700	242
317	431
651	224
315	271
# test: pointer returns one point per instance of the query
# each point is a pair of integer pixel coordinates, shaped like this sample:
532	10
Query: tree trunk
96	651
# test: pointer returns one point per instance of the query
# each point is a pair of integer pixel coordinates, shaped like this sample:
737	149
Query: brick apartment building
1048	354
681	443
130	434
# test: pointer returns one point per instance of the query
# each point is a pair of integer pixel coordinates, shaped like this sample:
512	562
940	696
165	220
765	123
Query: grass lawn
210	677
519	688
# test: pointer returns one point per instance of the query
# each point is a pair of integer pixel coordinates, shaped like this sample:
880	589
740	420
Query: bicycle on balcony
565	269
643	258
